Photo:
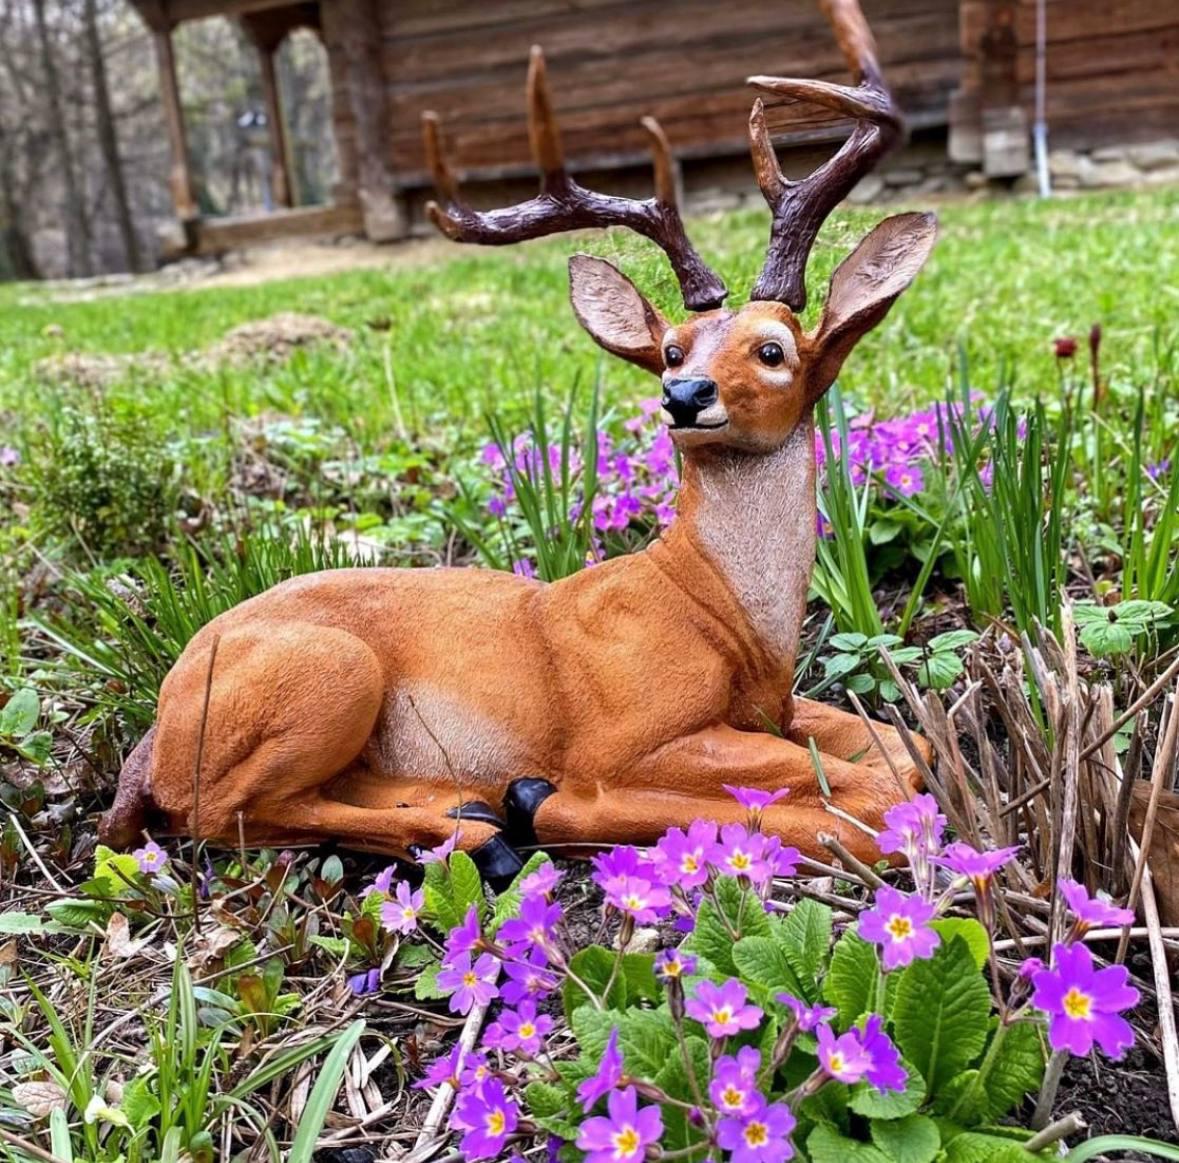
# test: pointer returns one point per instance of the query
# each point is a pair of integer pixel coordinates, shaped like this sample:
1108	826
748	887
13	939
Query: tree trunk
108	141
16	252
77	224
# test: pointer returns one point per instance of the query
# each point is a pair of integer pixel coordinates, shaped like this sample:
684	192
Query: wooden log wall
612	61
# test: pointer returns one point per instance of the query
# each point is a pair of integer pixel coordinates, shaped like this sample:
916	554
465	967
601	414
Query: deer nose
685	399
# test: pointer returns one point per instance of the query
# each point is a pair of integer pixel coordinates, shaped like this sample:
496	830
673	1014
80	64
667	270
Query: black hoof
498	862
478	811
520	804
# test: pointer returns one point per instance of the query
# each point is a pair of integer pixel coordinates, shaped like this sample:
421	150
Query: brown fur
363	704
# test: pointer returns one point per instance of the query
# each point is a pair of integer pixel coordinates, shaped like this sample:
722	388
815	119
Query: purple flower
444	1070
884	1070
738	853
682	857
1030	968
522	567
978	867
441	853
671	964
608	1076
639	898
151	858
906	479
8	456
487	1116
623	1136
734	1083
464	938
529	977
722	1009
1092	912
401	914
535	928
365	983
760	1137
1154	471
755	801
524	1029
1084	1003
382	883
619	862
779	860
808	1017
842	1058
542	882
914	828
899	924
469	984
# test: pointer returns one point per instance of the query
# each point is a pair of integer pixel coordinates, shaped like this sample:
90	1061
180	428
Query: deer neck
752	517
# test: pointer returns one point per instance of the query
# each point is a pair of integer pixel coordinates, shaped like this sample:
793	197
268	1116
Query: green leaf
593	966
117	867
826	1145
647	1040
851	977
78	914
974	1147
336	946
840	664
882	532
507	904
913	1139
12	923
323	1095
551	1108
861	684
1086	613
906	654
970	931
942	1013
1142	612
426	987
850	642
746	917
1014	1069
805	937
963	1098
592	1028
938	671
467	885
866	1100
1107	638
36	747
19	715
138	1103
641	983
678	1129
952	640
761	963
888	641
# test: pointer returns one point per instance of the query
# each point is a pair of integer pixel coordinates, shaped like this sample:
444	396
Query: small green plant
858	664
1109	631
19	717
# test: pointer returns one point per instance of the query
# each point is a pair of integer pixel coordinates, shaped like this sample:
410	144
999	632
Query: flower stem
1048	1088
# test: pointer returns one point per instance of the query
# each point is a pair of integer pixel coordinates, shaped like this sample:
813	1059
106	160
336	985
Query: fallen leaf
1164	847
211	944
8	953
118	938
40	1099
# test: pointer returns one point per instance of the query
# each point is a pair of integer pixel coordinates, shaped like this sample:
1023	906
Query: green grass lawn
484	328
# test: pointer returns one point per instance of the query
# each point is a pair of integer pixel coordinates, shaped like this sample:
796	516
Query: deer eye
673	356
771	354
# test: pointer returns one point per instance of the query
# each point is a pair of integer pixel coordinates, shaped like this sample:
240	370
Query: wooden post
354	26
181	176
281	187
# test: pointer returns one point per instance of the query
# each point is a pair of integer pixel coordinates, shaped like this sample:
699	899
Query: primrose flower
760	1137
807	1017
624	860
524	1029
529	977
9	456
682	857
842	1058
778	859
608	1077
443	1070
722	1009
884	1070
639	898
625	1135
914	828
487	1116
755	801
362	984
441	853
734	1083
400	915
1084	1003
978	867
534	928
382	883
738	853
1091	912
899	924
541	882
464	938
671	964
151	858
469	984
906	479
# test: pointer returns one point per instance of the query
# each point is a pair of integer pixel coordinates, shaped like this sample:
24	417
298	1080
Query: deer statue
394	709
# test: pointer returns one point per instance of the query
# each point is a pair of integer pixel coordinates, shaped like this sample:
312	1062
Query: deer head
739	379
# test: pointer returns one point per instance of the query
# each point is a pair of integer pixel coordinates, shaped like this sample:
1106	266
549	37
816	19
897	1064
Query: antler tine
800	208
564	204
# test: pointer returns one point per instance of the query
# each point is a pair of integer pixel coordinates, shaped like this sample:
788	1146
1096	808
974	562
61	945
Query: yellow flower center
690	864
496	1123
732	1097
527	1030
633	901
740	861
409	914
757	1134
835	1063
900	927
626	1143
1078	1004
469	978
722	1016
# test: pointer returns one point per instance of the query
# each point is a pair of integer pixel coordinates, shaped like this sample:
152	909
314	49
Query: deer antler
563	204
800	208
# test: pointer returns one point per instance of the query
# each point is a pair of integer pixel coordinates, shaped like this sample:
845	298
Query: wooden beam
180	178
281	188
354	26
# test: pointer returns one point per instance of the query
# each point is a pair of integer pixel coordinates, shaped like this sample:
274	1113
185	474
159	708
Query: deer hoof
523	798
497	861
478	811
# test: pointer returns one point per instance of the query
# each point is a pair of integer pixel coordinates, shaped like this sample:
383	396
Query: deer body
393	709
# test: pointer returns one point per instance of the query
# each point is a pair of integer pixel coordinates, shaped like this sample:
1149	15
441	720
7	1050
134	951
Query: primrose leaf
593	967
1016	1068
826	1145
913	1139
851	977
866	1100
942	1013
507	904
975	1147
740	914
117	867
592	1028
641	983
426	988
762	963
549	1106
647	1041
678	1129
19	715
466	885
805	937
970	931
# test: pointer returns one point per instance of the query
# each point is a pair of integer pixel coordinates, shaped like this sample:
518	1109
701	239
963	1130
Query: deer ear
865	285
608	305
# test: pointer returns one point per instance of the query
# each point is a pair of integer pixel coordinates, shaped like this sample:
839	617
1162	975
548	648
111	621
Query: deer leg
684	780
